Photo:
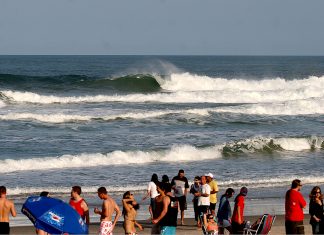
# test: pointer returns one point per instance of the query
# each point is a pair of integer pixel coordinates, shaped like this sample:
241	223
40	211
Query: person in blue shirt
224	213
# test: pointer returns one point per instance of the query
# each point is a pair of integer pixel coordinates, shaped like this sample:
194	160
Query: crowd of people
168	198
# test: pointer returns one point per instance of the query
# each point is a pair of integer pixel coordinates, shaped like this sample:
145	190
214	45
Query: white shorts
106	228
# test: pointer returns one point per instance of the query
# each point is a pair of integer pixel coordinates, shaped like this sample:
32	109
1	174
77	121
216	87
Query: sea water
113	121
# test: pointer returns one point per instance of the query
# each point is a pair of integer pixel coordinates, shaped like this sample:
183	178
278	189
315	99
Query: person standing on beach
169	214
238	212
193	190
203	198
109	206
316	210
224	212
6	207
294	205
159	206
180	186
79	204
213	192
152	193
130	207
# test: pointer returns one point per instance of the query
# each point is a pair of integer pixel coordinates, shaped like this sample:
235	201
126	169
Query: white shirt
152	189
204	201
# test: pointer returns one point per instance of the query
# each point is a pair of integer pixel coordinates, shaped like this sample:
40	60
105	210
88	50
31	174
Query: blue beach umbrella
53	216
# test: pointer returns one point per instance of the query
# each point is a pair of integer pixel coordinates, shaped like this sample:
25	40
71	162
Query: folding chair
263	227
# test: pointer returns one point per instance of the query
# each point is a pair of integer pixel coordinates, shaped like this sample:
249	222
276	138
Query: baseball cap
210	175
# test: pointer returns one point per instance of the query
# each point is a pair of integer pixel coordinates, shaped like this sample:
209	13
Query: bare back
6	207
108	207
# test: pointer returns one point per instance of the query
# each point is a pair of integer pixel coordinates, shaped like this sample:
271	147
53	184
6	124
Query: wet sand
189	227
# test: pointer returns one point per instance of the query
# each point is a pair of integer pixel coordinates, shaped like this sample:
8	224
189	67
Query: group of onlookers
167	198
294	205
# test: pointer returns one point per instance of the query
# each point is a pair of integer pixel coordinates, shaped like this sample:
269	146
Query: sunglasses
211	218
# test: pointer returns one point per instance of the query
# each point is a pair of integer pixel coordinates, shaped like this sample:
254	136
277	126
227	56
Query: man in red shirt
294	205
238	212
79	204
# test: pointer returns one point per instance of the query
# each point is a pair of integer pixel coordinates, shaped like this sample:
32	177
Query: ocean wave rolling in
114	120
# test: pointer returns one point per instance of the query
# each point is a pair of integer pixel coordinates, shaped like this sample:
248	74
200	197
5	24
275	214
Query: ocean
113	121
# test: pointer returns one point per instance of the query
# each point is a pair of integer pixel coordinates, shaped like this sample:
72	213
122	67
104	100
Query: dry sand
189	228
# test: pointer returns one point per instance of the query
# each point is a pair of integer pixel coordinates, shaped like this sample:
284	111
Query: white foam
67	190
296	107
183	153
175	154
234	183
271	182
2	104
63	118
192	82
188	88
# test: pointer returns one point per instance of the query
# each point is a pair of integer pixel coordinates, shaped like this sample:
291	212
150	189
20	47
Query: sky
162	27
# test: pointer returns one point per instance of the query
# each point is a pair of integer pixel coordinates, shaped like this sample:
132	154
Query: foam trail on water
233	182
63	118
296	107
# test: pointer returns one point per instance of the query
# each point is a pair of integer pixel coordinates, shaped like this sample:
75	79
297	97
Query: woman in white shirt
152	193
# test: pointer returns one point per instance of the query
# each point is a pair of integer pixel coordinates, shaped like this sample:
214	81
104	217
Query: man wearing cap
213	192
294	205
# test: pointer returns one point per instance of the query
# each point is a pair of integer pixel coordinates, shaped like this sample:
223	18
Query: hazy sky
204	27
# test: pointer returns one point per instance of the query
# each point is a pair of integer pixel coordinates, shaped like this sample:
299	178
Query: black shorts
4	228
212	206
203	210
182	203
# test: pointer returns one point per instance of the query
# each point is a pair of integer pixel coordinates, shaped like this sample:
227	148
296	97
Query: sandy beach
277	228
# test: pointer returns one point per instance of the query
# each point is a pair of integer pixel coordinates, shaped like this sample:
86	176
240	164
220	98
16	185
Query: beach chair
262	226
204	228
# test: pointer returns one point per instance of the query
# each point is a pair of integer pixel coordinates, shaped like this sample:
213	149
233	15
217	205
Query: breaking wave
184	153
187	88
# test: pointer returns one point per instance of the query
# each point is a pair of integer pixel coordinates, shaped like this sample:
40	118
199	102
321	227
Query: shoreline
278	227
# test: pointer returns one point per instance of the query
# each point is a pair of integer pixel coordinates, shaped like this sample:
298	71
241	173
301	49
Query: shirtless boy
109	206
6	207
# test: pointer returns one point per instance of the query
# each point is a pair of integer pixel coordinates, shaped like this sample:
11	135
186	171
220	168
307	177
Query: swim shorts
168	230
106	228
182	203
4	228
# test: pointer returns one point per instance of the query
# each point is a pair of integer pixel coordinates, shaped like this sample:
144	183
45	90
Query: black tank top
170	219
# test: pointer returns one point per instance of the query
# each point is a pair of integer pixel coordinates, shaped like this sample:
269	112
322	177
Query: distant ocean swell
183	153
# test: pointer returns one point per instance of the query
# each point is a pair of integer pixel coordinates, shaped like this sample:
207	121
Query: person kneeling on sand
6	207
109	206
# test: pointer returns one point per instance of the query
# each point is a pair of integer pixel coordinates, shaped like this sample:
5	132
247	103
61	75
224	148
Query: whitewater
113	121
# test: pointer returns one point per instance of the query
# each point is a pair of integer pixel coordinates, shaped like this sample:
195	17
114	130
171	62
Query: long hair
127	195
312	194
155	179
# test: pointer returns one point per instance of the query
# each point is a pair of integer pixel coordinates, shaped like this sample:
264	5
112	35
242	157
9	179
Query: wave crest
182	153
